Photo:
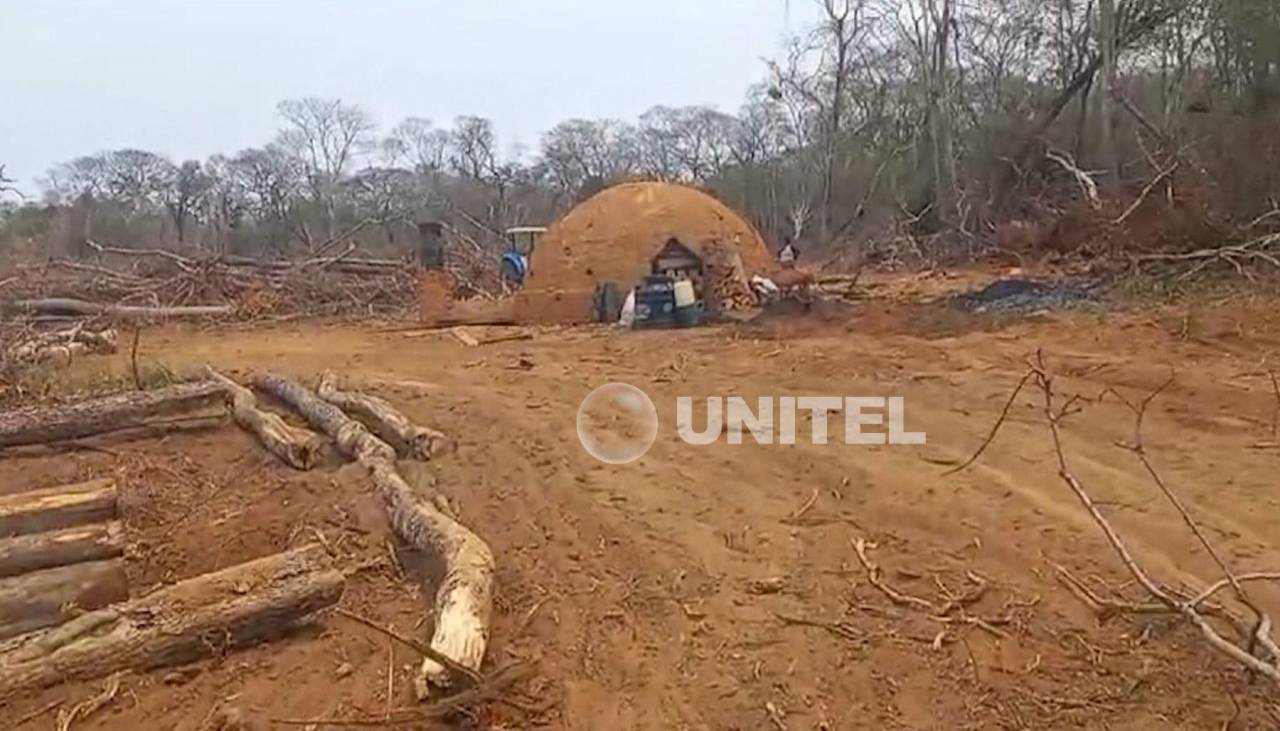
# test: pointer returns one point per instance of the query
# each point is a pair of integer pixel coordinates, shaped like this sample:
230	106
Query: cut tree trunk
40	425
208	614
464	599
36	551
46	598
52	508
68	306
299	448
384	420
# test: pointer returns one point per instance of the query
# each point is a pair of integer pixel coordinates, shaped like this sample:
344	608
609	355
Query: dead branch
464	598
392	426
91	705
181	261
299	448
1237	255
461	671
995	428
1138	448
1086	182
860	547
1146	191
67	306
1053	417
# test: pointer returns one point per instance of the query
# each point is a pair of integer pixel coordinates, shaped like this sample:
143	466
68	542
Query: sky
189	78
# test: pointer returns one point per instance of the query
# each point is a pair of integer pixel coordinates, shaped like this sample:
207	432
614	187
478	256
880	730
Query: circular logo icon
617	423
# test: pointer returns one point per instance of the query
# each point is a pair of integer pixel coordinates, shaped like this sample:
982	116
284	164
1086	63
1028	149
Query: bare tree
418	143
184	196
473	144
324	135
579	153
6	184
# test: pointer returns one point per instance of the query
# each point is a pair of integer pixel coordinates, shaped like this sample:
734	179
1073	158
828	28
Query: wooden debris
235	607
52	596
58	507
464	599
65	346
384	420
68	306
44	424
36	551
297	447
464	337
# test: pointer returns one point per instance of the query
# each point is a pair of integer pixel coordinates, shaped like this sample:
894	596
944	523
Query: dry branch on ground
384	420
297	447
1256	649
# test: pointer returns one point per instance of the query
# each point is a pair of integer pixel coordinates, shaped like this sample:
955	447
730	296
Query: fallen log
208	614
464	598
385	421
298	448
40	425
50	597
185	264
69	306
54	508
35	551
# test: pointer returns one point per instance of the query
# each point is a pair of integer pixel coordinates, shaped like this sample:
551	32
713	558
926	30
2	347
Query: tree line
942	116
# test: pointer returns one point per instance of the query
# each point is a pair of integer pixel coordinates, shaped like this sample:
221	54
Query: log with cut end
386	421
36	551
464	599
299	448
44	424
235	607
52	508
52	596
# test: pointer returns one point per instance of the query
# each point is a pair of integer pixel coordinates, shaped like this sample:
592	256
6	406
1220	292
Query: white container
684	293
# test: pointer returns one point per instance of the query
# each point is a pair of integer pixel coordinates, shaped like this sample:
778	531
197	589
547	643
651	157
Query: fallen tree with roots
1253	646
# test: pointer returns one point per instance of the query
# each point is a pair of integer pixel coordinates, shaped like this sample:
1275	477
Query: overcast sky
189	78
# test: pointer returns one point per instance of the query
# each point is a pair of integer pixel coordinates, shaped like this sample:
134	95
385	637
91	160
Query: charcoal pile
1025	296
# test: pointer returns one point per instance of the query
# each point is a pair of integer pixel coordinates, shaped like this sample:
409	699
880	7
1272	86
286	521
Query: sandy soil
643	593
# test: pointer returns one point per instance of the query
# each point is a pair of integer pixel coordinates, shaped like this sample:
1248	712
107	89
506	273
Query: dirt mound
615	234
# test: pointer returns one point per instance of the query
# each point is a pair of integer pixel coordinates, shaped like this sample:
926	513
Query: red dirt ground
634	589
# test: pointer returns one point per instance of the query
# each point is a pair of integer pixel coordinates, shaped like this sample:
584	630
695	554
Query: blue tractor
521	241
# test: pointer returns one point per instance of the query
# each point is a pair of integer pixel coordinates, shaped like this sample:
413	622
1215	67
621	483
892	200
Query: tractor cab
521	241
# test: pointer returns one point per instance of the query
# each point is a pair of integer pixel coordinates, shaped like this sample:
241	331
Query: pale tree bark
464	598
943	131
1108	48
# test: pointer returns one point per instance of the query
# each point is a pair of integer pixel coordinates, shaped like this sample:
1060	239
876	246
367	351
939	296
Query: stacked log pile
60	554
64	607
